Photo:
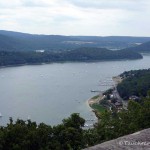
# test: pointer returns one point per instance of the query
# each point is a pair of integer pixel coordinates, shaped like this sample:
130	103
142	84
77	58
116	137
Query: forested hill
145	47
81	54
28	42
87	53
135	83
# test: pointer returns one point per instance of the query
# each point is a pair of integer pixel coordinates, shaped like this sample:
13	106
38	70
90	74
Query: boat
1	115
86	125
95	91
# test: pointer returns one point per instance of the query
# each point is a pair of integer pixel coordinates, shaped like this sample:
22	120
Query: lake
48	93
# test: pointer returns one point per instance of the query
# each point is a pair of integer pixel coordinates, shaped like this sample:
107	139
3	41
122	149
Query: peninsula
130	85
84	54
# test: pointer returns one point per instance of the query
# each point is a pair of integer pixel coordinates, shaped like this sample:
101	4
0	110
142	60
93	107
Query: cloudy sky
76	17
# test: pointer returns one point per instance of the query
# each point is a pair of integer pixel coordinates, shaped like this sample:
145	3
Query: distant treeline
136	82
81	54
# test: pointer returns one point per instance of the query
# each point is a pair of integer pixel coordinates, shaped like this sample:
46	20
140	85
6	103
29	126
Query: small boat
86	125
95	91
1	115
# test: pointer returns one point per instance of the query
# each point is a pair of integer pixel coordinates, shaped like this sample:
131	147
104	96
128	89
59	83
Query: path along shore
93	100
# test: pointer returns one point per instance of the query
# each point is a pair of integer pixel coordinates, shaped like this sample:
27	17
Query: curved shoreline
96	100
91	101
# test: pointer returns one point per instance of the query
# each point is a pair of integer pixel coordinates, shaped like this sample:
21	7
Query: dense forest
81	54
135	82
28	42
70	135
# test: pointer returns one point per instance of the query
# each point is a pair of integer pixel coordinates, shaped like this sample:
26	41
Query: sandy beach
95	100
117	79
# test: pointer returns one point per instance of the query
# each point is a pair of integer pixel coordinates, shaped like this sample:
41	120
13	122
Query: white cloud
9	4
38	3
110	4
76	17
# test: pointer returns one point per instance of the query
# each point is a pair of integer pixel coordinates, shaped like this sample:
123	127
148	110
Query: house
134	97
118	104
111	96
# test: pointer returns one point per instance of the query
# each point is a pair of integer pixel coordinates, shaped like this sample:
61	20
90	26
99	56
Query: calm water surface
49	93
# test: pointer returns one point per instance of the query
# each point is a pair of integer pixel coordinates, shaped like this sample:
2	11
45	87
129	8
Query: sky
77	17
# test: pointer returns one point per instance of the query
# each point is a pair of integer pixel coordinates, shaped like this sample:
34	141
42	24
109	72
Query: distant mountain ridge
18	41
145	47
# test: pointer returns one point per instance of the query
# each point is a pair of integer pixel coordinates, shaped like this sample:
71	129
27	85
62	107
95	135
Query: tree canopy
81	54
135	82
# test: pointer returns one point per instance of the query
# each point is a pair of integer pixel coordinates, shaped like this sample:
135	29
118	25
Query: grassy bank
98	107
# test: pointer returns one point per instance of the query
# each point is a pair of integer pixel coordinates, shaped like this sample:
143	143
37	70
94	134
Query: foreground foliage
28	135
70	135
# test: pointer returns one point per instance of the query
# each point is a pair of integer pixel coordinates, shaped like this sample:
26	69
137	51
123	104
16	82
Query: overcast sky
76	17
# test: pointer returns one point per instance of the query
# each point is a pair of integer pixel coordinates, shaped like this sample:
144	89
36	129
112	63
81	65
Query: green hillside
81	54
135	83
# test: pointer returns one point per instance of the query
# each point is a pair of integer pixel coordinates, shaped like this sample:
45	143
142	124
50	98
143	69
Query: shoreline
63	61
20	65
92	101
99	97
117	80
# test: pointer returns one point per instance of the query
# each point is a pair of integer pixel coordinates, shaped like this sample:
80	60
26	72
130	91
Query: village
110	99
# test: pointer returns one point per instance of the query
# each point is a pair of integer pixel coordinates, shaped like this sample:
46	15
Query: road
117	96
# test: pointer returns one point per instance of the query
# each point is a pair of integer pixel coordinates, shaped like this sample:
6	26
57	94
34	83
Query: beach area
99	97
95	100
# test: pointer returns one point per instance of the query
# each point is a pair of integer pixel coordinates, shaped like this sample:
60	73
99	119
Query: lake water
48	93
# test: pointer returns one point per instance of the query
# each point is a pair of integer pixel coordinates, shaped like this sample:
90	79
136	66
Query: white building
40	51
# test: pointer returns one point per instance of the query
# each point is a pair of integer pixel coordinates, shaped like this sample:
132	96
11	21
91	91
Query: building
134	97
40	51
